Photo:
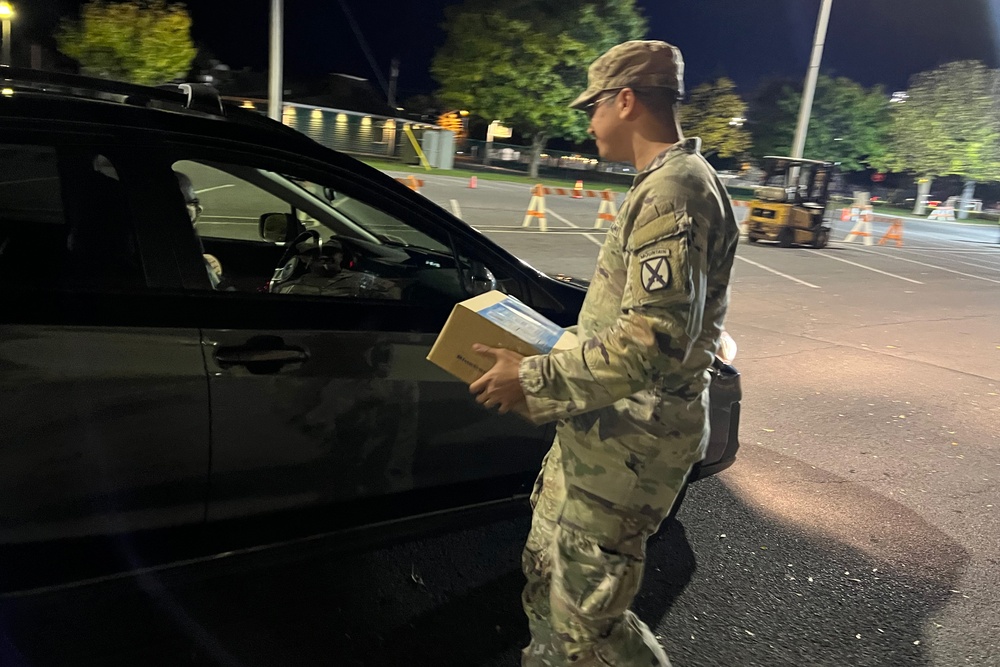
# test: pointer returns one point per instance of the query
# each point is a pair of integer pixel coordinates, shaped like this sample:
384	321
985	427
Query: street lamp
275	61
809	89
6	14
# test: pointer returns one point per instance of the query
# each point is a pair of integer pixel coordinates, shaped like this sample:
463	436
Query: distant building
334	91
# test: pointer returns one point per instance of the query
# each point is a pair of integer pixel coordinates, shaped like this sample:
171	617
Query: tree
848	124
770	124
422	104
524	71
949	124
143	41
715	112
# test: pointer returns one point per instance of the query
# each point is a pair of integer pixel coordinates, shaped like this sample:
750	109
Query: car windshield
319	206
375	223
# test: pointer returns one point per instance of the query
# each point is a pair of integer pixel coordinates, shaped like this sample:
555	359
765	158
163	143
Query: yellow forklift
790	206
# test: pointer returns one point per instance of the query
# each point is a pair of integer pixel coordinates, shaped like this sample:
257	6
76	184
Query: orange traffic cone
578	190
895	233
536	208
472	182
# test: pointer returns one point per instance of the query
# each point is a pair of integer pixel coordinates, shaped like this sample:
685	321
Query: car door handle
262	354
235	356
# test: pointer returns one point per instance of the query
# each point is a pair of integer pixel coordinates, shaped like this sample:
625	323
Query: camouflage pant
585	553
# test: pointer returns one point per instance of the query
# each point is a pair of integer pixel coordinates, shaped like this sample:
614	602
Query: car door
323	397
104	398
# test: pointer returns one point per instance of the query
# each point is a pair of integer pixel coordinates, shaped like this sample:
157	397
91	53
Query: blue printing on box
516	318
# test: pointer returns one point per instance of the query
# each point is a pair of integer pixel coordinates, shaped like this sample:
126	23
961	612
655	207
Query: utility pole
5	54
809	90
6	14
274	83
393	75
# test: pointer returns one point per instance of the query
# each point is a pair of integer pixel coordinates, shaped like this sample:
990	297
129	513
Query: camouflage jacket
651	320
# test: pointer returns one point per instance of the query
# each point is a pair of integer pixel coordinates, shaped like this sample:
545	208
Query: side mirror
330	194
278	227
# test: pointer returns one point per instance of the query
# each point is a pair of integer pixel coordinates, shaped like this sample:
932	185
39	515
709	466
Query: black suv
254	367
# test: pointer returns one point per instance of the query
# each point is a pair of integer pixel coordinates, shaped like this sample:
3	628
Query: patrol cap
634	64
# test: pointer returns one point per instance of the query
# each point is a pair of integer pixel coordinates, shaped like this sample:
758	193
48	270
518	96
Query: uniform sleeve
661	317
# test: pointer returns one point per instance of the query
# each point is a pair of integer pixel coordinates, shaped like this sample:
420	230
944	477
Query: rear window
29	185
88	243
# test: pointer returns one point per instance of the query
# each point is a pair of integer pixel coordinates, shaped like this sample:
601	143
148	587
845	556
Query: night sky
870	41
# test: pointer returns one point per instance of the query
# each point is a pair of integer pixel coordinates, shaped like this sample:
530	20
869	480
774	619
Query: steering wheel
291	250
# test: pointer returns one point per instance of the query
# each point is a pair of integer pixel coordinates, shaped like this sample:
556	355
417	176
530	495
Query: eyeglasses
591	109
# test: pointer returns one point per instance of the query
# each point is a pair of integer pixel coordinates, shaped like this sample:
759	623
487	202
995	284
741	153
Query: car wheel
821	238
752	238
786	237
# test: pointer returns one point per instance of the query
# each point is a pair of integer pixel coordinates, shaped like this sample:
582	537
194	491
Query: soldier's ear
627	104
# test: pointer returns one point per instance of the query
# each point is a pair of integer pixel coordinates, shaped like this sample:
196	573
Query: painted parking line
988	267
862	266
776	272
30	180
930	266
955	249
453	180
593	239
217	187
511	229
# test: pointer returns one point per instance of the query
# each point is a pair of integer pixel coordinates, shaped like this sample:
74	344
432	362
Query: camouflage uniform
632	408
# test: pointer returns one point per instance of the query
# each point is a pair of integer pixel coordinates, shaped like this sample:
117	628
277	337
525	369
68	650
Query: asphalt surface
858	527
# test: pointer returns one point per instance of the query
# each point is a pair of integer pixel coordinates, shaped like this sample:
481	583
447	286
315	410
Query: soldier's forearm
611	366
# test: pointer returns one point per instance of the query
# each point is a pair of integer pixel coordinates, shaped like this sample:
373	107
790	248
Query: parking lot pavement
751	574
930	251
878	365
497	208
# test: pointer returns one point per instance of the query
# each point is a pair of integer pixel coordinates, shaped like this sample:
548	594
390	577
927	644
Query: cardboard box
497	320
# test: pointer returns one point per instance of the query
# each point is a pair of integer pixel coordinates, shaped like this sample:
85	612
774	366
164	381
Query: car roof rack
200	97
196	97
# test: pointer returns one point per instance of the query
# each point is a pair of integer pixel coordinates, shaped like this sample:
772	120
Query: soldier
632	400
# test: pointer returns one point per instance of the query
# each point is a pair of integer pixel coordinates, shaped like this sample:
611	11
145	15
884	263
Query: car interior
329	244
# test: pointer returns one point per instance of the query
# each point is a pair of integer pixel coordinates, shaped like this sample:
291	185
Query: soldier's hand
500	387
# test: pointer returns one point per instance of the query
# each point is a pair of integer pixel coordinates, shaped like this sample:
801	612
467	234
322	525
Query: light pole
274	82
809	90
6	14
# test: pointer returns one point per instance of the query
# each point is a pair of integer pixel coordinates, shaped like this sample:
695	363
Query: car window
29	186
65	220
230	206
343	246
386	227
